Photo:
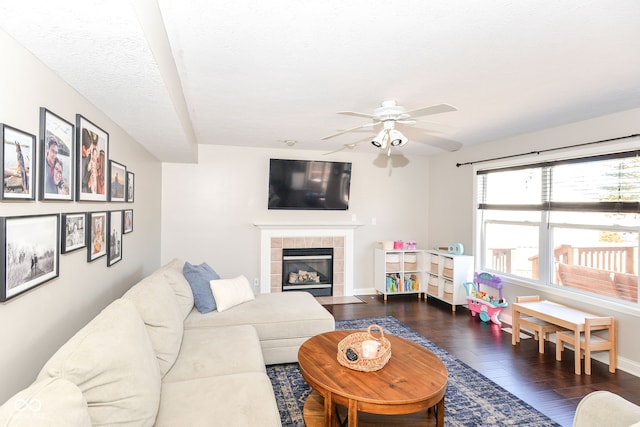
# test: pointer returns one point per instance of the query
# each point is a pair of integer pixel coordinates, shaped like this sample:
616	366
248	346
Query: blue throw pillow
199	277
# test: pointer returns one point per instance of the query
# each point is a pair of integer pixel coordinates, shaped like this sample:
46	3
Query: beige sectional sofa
150	359
603	408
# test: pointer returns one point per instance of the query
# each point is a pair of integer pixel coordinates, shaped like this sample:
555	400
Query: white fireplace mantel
306	229
306	225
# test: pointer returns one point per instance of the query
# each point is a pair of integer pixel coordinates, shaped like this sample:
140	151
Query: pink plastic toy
487	307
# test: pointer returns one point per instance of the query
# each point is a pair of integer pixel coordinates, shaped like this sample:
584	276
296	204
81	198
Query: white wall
209	209
34	324
451	225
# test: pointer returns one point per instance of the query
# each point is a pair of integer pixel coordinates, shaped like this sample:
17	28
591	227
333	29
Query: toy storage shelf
446	276
400	272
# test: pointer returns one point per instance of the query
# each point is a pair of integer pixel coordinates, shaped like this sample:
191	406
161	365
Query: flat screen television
309	185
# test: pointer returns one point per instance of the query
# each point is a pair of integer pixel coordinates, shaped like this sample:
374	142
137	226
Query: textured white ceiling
256	73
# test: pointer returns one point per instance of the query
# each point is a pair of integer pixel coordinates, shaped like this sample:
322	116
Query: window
571	223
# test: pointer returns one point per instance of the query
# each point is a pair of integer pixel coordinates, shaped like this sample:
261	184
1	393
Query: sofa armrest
602	408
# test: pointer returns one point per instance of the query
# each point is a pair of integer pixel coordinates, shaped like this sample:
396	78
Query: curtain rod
547	150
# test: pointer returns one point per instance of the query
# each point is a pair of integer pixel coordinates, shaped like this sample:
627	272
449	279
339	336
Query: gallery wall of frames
66	162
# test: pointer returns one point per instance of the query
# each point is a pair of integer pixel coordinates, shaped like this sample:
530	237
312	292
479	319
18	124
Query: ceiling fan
389	115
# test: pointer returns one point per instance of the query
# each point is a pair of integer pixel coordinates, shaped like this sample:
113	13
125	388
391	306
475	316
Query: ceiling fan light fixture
380	140
397	138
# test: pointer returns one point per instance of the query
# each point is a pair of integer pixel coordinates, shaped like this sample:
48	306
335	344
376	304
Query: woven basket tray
354	342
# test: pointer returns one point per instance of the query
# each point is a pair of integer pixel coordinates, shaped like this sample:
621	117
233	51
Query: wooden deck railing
604	270
501	259
616	258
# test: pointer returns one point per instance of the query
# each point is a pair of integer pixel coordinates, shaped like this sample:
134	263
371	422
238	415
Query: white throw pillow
231	292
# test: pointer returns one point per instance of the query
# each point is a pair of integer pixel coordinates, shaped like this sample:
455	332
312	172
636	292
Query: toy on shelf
486	306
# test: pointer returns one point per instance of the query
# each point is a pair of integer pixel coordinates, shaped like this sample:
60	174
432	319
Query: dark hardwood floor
549	386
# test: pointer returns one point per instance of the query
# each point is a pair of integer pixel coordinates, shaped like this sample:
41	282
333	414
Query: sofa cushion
160	312
112	362
275	316
283	320
217	351
231	292
245	399
46	403
172	273
199	277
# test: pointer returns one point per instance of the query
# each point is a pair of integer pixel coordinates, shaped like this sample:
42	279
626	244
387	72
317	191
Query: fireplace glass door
308	269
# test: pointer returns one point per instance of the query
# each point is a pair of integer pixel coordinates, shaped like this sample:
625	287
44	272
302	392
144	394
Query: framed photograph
57	158
115	238
19	162
73	232
128	221
131	184
117	182
96	242
92	161
30	252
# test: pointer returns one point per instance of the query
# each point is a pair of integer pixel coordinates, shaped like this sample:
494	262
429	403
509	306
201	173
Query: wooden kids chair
541	329
590	342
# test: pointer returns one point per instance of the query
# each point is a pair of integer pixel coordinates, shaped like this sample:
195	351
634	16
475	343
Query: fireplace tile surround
275	237
335	242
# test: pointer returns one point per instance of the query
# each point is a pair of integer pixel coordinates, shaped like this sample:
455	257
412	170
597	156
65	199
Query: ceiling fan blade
438	127
354	113
422	136
433	109
344	147
351	130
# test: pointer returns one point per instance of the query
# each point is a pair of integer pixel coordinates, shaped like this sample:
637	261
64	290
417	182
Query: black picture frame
73	231
117	182
114	253
127	221
57	157
18	158
131	186
92	161
96	240
30	252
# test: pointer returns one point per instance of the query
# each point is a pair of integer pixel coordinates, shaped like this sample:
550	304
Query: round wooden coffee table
413	380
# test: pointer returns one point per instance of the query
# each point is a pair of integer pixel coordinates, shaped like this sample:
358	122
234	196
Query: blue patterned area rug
471	398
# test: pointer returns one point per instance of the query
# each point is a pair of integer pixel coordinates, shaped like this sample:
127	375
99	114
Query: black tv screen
309	184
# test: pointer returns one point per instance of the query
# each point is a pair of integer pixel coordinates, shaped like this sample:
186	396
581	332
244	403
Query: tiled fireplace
334	242
276	237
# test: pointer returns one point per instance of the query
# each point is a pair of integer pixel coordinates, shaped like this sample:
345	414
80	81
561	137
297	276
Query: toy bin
447	291
410	261
433	285
393	262
434	265
447	270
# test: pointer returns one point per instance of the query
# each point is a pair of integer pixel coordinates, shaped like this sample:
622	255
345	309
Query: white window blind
605	183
